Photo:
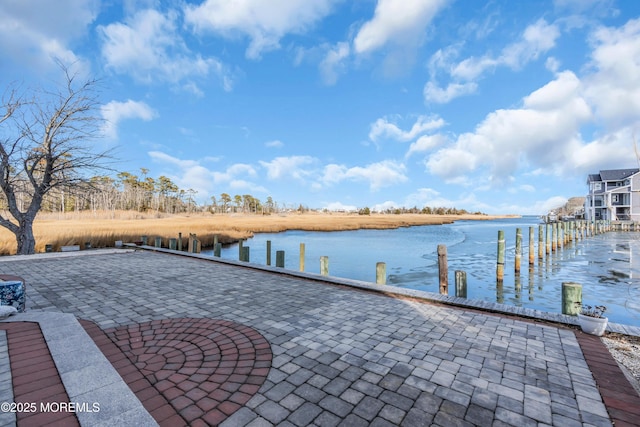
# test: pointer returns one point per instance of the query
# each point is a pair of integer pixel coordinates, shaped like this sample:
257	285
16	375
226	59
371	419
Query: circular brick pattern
207	369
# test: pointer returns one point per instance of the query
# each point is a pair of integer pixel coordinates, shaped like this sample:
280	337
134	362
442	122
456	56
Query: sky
502	107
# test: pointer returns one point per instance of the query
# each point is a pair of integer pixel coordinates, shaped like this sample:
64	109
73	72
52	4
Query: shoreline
102	229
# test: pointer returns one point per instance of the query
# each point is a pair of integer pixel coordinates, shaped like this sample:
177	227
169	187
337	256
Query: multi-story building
613	195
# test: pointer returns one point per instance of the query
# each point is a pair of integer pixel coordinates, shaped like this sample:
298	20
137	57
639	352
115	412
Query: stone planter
593	325
12	294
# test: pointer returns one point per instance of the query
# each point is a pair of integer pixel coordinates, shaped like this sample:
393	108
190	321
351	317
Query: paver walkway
339	356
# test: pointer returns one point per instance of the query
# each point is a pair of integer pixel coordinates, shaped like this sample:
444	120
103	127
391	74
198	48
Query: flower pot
593	325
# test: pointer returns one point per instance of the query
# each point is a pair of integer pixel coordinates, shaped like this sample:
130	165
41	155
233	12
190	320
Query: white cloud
333	63
338	206
190	174
295	167
614	87
396	21
536	40
541	133
265	22
149	48
33	33
433	93
379	175
274	144
425	143
383	128
116	111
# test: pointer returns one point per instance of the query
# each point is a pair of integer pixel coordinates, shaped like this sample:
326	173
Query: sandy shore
102	229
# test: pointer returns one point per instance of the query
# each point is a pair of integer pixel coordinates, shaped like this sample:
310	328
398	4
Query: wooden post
461	283
215	240
532	255
301	256
191	246
144	240
268	252
540	242
381	273
217	250
245	254
240	250
443	270
554	236
324	265
180	241
501	252
518	257
280	259
173	243
548	243
48	248
571	294
158	242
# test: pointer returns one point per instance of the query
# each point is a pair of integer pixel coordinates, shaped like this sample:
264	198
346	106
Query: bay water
607	266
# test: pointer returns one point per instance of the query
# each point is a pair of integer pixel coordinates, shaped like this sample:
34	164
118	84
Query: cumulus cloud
541	133
383	128
396	21
378	175
614	86
338	206
274	144
265	22
333	63
295	167
537	39
116	111
191	174
149	47
34	39
426	143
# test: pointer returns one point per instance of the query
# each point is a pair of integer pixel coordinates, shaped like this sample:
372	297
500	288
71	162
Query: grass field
102	229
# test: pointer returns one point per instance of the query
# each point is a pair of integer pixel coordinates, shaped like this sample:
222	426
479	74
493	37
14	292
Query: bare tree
45	144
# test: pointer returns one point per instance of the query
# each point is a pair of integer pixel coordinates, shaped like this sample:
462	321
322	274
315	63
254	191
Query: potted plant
591	319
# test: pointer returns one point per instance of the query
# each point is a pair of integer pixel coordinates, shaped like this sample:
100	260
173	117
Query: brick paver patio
336	356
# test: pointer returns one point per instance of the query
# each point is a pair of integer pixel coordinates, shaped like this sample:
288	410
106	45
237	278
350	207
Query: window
614	198
597	185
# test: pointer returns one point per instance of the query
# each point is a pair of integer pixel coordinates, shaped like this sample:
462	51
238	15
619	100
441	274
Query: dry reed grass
103	229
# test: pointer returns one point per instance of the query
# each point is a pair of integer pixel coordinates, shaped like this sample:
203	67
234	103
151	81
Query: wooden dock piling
501	254
443	270
381	273
324	265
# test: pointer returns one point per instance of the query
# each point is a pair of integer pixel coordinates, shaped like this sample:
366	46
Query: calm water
607	266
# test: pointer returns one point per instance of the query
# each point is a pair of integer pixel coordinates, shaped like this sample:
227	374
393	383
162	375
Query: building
613	195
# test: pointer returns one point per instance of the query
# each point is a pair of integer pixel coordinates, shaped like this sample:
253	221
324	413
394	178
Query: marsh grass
103	228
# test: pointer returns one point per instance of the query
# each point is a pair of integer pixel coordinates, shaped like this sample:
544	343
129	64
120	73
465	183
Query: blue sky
499	106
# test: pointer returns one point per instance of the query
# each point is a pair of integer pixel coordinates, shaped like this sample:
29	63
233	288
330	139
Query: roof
617	174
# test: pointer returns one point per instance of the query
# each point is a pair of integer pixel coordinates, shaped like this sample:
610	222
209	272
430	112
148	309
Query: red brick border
35	377
620	398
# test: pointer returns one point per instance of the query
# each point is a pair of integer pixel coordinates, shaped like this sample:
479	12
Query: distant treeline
142	193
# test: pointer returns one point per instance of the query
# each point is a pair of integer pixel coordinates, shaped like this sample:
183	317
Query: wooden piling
501	253
245	253
554	236
240	249
540	242
461	283
324	265
173	243
158	242
532	255
144	240
302	256
548	242
217	250
280	259
268	252
443	273
518	257
179	247
381	273
571	294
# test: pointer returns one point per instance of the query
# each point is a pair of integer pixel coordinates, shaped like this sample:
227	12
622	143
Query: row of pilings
552	237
